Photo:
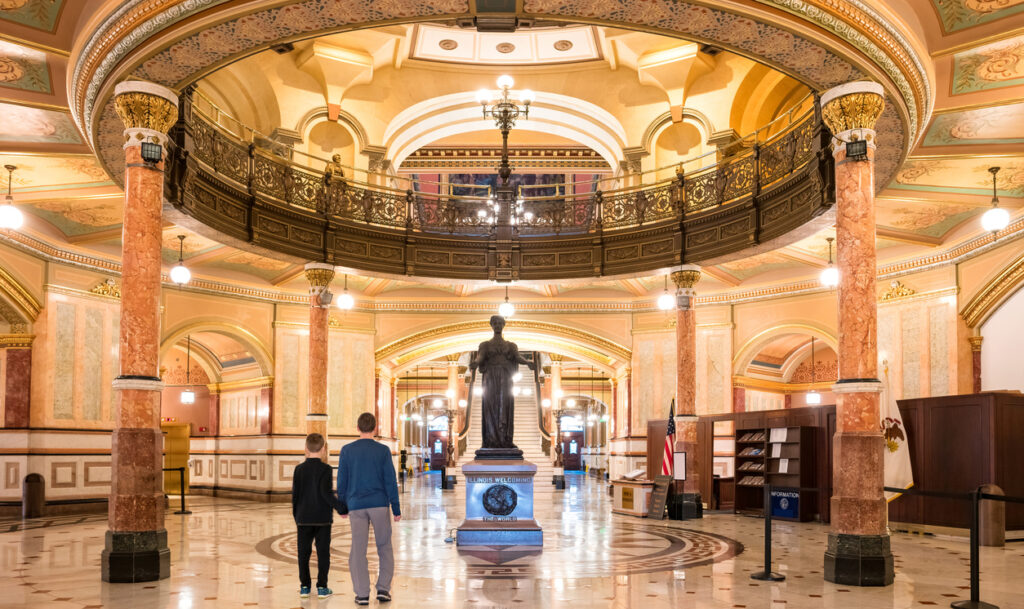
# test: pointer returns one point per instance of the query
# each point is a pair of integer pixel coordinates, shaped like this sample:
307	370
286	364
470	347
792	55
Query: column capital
453	359
687	276
850	110
975	342
319	274
147	110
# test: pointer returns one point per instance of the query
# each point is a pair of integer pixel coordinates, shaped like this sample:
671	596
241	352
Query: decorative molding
975	342
21	297
107	287
897	290
132	384
16	341
993	294
261	382
778	386
858	387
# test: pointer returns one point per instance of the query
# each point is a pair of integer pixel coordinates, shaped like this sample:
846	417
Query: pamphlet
776	450
783	466
778	434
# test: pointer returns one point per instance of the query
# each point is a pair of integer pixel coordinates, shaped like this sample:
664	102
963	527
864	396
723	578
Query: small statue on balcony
333	172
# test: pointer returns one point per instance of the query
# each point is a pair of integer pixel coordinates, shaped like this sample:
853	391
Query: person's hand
398	518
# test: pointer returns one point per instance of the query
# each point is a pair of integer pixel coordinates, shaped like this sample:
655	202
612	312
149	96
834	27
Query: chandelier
10	216
506	309
813	397
997	218
187	395
830	276
180	273
505	111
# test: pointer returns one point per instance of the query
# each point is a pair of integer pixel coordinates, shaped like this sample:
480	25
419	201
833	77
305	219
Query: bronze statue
333	170
498	360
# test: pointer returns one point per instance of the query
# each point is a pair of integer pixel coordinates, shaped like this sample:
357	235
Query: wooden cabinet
790	463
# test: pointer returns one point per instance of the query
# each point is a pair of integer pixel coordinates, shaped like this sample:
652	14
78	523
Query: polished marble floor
230	553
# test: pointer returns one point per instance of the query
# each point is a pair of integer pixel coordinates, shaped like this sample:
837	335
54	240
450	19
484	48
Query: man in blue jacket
368	486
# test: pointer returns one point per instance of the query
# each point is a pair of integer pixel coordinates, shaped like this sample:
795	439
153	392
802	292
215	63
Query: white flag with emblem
897	453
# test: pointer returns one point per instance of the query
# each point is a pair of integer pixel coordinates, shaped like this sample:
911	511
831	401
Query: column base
691	505
859	560
136	556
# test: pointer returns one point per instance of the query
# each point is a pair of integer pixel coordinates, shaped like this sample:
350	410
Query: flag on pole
896	461
670	441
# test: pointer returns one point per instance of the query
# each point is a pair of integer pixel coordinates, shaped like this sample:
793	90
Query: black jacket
313	498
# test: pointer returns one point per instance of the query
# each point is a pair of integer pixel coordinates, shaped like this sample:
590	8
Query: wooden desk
631	497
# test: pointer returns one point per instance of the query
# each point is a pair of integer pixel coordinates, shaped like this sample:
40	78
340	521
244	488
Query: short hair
367	422
314	443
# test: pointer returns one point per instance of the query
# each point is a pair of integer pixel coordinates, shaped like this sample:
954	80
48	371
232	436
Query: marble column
17	380
858	550
320	276
739	399
976	361
686	385
393	398
614	419
136	541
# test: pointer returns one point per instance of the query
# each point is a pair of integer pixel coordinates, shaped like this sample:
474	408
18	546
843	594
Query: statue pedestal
499	505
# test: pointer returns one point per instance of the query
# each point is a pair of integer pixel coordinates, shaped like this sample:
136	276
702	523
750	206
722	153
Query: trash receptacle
33	496
992	518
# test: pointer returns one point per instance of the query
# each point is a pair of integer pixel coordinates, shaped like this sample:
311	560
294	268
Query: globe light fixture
506	309
179	272
665	301
437	403
518	376
345	301
462	403
450	394
478	391
997	218
546	403
527	391
813	397
516	391
10	216
830	276
570	403
188	396
505	81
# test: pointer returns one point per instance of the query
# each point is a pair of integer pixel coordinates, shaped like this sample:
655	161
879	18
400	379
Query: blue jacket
366	476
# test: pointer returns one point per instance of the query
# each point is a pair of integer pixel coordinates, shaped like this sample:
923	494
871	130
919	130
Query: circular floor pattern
569	552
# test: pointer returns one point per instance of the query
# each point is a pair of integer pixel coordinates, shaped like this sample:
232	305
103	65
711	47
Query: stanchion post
975	602
767	574
181	485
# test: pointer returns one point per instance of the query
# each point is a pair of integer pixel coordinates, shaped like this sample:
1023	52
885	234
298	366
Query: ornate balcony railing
252	193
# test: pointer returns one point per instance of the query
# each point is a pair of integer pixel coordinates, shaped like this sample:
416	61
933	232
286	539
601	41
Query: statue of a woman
498	360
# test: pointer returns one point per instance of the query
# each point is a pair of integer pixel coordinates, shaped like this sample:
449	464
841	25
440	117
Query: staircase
526	436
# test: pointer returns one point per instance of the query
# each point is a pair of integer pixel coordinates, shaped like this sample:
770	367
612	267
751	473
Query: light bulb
188	397
505	81
481	213
516	391
345	301
528	216
506	309
478	390
527	96
571	403
546	403
449	394
829	277
416	417
559	393
995	219
180	274
527	391
666	302
10	216
462	403
437	403
518	376
813	397
483	97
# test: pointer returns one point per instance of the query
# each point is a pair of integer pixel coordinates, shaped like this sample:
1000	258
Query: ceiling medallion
448	44
505	47
563	45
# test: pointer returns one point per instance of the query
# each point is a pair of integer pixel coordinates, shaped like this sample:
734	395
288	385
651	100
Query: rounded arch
260	352
345	119
17	304
995	292
745	354
530	335
694	117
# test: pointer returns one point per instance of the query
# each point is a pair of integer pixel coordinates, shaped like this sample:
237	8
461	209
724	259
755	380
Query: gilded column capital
685	279
453	358
975	342
850	110
147	110
556	359
319	274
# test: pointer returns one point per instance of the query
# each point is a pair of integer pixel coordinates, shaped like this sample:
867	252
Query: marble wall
917	346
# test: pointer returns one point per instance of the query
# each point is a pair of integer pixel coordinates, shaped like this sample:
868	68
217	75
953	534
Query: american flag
670	441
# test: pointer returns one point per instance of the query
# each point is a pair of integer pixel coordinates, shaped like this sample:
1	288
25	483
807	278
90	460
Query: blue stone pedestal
499	505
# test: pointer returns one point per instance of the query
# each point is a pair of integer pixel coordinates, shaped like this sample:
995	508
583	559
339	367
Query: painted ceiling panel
961	14
992	125
991	66
34	125
24	69
38	14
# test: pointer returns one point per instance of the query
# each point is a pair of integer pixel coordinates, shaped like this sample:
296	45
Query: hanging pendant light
997	218
180	273
188	396
830	276
10	216
506	309
813	397
665	301
345	301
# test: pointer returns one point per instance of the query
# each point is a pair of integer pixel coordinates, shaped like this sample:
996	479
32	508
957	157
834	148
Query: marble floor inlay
232	553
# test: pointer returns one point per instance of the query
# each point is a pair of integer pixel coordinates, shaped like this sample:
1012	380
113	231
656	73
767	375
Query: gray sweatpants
380	518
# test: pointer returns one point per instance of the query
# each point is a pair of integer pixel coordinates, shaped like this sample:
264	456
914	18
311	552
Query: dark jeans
322	535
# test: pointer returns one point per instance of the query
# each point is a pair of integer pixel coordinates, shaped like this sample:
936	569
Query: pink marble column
136	542
319	276
266	410
976	362
739	399
17	386
858	547
686	384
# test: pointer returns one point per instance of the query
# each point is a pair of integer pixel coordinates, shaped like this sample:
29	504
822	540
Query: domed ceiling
968	105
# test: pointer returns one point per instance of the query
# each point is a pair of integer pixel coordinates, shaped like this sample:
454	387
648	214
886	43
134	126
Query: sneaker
304	592
384	597
362	600
323	592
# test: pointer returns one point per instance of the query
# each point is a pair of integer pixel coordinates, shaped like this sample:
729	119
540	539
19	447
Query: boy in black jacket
313	506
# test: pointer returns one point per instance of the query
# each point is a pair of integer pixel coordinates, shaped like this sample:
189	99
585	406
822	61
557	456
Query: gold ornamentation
975	342
320	277
898	290
853	111
992	295
333	322
16	341
139	110
19	295
261	382
107	287
686	279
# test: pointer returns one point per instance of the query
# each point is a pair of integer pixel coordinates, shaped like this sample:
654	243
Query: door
176	447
